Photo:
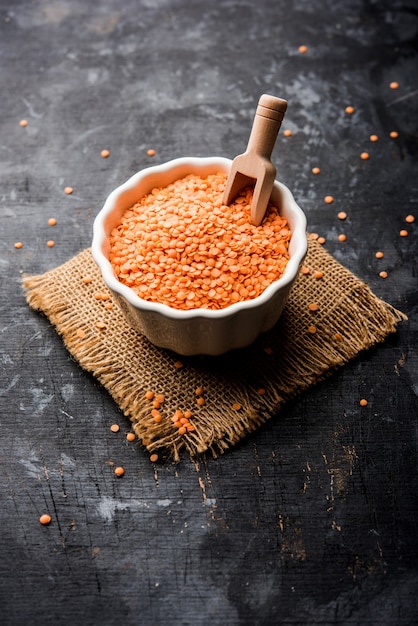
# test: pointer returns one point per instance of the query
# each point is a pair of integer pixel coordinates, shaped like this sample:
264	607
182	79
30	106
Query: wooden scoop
254	165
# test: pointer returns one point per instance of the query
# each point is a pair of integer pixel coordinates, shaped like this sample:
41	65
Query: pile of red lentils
180	246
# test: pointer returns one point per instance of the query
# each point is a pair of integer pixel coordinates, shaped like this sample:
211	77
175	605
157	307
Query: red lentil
181	247
374	138
115	428
349	110
363	402
342	215
321	240
151	152
200	401
261	391
383	274
287	132
149	395
312	306
23	123
379	255
153	458
130	437
68	190
329	199
403	233
236	406
410	219
87	280
100	325
305	270
104	154
316	170
178	365
338	336
318	274
52	221
119	471
18	245
342	237
394	134
364	156
50	243
45	519
303	49
394	85
80	333
312	330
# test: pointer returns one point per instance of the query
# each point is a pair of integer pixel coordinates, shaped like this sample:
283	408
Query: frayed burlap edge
241	389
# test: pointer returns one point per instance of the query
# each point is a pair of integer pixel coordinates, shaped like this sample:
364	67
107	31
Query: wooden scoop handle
267	121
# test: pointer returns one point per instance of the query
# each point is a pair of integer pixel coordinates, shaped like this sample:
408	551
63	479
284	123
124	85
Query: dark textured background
311	520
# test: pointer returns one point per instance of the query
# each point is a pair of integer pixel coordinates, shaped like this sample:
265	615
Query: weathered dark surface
312	520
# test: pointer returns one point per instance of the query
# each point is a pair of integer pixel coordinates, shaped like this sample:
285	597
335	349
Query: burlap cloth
260	379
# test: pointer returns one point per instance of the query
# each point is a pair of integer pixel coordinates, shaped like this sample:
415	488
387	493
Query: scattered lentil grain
316	170
318	274
153	458
149	395
329	199
313	306
342	215
18	245
303	49
349	110
383	274
394	85
374	138
305	270
100	325
115	428
394	134
410	219
321	240
379	254
130	437
119	471
236	406
68	190
364	156
403	233
50	243
287	132
151	152
104	154
363	402
80	333
200	401
312	330
342	237
45	519
23	123
52	221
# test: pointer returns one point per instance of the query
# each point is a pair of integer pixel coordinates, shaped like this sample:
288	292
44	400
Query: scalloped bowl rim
109	277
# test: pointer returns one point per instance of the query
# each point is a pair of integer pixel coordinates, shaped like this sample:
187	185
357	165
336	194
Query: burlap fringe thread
260	379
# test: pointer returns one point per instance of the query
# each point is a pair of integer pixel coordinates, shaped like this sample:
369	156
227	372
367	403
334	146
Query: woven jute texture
241	389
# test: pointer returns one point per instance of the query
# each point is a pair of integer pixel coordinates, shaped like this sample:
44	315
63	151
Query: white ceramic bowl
197	331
